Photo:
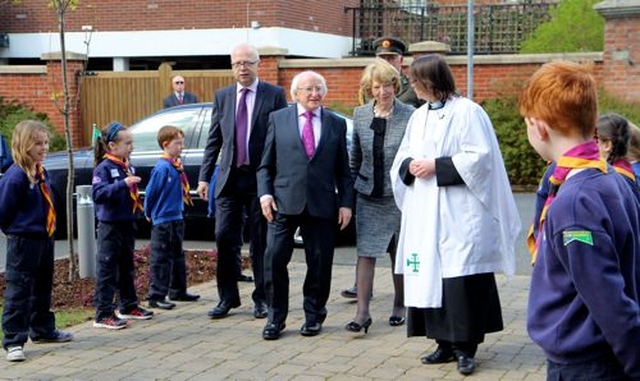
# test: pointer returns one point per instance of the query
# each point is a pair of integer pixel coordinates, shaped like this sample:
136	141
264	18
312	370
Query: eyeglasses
243	64
309	90
179	82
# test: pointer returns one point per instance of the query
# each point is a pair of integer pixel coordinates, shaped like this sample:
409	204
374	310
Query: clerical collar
437	105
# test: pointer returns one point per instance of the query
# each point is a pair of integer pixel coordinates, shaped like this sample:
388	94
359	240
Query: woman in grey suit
378	130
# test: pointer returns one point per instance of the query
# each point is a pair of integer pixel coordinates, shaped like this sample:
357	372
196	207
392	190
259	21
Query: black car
193	119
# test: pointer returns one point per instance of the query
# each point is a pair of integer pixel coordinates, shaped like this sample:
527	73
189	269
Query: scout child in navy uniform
614	134
116	198
28	219
585	287
166	194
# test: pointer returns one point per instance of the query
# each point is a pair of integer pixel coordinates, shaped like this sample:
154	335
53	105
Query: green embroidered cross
413	262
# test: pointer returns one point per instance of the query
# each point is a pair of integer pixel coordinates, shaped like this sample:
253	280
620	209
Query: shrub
524	165
12	112
574	27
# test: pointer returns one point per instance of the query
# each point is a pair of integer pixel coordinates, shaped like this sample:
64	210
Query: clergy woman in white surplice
459	219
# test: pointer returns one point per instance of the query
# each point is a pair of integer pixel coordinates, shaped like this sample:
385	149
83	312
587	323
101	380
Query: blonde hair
24	138
380	71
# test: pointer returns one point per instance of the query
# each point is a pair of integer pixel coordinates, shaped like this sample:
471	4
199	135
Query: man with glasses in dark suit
179	96
238	129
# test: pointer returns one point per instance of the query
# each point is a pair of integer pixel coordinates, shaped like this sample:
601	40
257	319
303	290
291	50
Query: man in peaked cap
392	50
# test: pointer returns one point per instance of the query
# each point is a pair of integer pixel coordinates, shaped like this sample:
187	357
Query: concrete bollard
86	232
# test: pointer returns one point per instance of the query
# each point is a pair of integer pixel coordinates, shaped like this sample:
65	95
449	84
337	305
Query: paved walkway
183	344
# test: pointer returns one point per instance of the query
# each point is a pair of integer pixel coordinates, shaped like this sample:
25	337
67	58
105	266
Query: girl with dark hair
116	198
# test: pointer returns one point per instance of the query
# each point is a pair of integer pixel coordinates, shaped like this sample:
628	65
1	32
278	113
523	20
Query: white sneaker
15	354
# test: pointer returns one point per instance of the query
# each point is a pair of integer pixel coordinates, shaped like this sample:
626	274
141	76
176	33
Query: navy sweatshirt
23	211
111	194
585	285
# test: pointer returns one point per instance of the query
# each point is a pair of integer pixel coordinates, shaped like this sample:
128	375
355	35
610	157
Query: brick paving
184	344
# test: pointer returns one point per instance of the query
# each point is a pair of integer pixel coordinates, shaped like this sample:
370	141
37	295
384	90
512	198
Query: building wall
34	16
622	56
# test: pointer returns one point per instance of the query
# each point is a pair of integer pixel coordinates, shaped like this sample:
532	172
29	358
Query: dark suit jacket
322	184
223	132
172	100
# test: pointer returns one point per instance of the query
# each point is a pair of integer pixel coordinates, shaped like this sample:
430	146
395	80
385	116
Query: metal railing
499	29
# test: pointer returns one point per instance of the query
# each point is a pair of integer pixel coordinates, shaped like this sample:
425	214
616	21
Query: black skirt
470	308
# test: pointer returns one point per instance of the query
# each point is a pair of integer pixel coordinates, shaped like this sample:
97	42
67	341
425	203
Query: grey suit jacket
222	132
323	183
171	100
361	155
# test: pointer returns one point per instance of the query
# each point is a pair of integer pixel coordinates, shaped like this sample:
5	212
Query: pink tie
180	98
308	139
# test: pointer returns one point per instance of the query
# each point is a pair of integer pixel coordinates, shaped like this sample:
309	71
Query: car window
204	131
145	132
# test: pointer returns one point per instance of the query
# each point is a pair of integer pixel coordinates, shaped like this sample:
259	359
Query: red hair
564	95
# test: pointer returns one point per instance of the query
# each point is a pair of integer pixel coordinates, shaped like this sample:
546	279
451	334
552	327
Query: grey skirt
377	225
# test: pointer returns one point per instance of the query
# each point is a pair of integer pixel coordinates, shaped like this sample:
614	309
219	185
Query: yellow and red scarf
133	188
46	194
177	164
623	167
586	155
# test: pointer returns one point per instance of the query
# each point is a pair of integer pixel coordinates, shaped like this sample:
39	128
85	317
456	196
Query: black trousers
167	265
319	244
27	296
239	197
115	270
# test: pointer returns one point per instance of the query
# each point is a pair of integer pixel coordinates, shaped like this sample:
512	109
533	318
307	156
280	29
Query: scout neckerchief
133	188
177	164
586	155
46	194
623	167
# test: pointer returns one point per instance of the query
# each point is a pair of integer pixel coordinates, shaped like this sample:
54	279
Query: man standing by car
179	96
238	128
304	181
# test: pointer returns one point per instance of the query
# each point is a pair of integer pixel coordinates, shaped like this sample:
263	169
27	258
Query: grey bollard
86	232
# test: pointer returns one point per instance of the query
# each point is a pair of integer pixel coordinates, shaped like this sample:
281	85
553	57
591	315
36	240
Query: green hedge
12	112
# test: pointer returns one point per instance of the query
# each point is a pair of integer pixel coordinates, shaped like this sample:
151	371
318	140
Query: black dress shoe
309	329
466	365
272	331
260	311
245	278
395	321
440	356
162	304
185	297
222	309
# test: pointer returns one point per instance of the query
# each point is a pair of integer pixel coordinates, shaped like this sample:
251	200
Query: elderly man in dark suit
238	128
303	181
179	96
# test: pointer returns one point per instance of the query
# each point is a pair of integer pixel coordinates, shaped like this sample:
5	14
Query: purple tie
308	139
241	129
180	98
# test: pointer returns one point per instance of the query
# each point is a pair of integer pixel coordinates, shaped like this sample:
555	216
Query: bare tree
61	7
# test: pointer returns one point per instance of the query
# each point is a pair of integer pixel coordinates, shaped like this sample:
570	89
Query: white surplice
458	230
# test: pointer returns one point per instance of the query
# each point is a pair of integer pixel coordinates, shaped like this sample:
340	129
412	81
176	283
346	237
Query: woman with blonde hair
378	128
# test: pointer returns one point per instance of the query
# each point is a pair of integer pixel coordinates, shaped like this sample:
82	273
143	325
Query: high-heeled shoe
352	326
395	321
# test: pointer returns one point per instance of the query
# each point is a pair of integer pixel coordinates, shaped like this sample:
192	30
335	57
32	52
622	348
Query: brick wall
622	57
494	76
34	16
36	87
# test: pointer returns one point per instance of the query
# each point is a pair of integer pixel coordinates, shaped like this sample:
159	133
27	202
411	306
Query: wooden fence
131	95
